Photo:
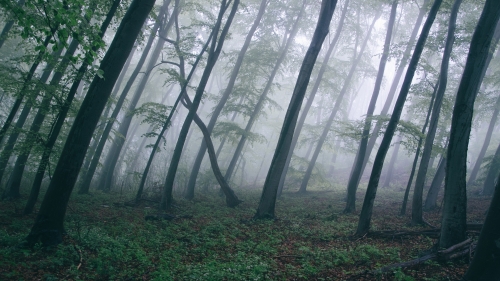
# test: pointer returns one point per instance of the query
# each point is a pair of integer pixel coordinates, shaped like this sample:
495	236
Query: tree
48	226
268	198
314	90
489	182
213	54
371	191
484	265
338	101
8	25
229	88
357	169
453	225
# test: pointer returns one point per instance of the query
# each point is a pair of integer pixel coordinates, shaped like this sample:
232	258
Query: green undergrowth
309	240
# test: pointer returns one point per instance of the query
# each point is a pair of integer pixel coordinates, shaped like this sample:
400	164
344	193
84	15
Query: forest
249	140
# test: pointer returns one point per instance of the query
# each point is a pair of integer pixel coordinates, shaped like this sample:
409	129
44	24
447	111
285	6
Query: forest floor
310	240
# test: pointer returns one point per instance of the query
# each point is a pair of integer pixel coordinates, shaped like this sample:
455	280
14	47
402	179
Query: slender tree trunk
314	90
267	201
392	163
223	141
417	212
437	181
486	143
453	225
395	82
355	177
12	140
48	227
56	128
263	97
489	182
105	181
18	171
87	180
8	25
371	191
338	101
213	55
484	265
225	96
417	153
27	80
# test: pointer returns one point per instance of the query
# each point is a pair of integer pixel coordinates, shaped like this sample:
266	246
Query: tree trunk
8	25
484	265
12	140
416	211
486	143
437	181
263	96
268	198
371	191
355	177
89	174
338	101
392	163
225	96
18	171
394	85
489	182
417	153
105	180
314	90
453	225
213	55
48	226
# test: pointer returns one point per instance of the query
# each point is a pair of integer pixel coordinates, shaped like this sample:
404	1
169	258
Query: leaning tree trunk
109	165
395	82
489	182
371	191
417	153
263	97
268	198
392	162
486	143
77	143
453	225
484	265
225	96
416	210
18	171
437	181
335	109
213	55
314	90
7	150
8	25
89	174
355	177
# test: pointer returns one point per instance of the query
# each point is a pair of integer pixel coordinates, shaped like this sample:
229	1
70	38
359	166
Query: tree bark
268	198
335	109
485	263
355	177
225	96
453	225
48	227
8	25
371	191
